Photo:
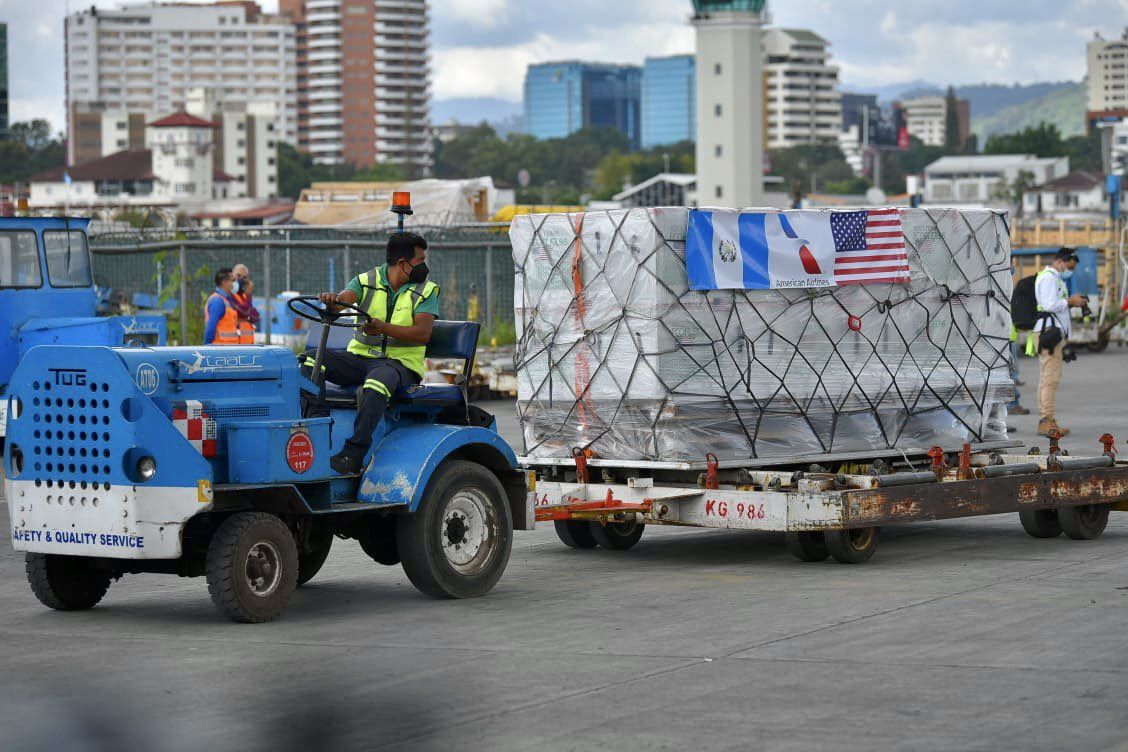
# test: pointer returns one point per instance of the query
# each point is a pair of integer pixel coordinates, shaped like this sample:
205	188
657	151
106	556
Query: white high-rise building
145	58
364	81
804	105
244	143
926	118
1108	74
730	134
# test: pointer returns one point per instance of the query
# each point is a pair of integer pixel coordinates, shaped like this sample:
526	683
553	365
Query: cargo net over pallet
617	355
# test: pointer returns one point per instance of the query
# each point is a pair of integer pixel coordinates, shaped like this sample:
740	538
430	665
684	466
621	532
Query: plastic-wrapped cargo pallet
617	354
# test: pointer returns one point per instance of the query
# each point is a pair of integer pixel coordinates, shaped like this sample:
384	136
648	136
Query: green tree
35	134
1084	152
1014	191
896	165
618	169
296	170
818	167
1043	140
29	150
382	173
952	140
562	169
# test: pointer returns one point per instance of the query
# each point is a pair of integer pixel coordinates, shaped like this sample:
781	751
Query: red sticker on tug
299	452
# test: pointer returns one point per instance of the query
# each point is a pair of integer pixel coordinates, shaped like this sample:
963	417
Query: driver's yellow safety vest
378	297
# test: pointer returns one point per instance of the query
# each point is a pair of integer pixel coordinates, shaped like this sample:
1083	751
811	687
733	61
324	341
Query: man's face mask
418	273
1067	274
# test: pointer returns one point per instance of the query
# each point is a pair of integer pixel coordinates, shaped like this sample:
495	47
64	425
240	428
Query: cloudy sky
481	47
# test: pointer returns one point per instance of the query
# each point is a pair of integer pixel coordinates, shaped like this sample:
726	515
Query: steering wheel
310	307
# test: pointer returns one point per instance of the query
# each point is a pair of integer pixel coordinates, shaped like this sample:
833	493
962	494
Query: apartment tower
143	59
1107	82
804	105
363	81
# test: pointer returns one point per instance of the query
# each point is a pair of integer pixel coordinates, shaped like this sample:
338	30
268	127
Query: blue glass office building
562	98
669	100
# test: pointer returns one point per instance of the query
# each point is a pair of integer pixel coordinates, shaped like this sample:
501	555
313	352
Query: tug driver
387	353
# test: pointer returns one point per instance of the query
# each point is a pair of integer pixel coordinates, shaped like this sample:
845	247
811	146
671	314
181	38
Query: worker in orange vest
221	318
243	297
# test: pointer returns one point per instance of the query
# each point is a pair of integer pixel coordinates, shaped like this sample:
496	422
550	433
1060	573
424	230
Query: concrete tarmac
957	635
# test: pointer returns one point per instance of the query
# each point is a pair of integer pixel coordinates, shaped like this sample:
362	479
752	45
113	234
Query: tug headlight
146	469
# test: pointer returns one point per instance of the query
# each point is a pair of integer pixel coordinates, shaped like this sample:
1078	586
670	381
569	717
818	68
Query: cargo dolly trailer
834	509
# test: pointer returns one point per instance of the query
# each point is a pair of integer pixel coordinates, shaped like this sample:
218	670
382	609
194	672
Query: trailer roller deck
834	509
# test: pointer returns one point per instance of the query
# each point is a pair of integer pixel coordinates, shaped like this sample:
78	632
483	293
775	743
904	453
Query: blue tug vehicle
203	462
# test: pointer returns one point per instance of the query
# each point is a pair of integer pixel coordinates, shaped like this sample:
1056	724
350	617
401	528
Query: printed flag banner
734	250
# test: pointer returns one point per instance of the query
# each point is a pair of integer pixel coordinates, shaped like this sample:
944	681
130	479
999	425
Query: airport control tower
730	118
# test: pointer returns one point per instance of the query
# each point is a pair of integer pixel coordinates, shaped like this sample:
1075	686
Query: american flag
869	247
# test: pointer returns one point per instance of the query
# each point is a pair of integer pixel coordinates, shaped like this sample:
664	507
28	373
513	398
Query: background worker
221	318
388	352
1054	302
242	298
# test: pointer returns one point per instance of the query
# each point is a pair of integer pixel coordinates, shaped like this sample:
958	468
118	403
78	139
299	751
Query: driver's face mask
417	273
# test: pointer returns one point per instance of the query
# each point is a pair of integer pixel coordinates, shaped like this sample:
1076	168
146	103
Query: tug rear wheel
66	583
1040	523
457	543
852	546
807	545
575	534
309	564
617	536
1084	522
252	567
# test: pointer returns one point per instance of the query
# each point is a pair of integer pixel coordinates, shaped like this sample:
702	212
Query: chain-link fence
472	264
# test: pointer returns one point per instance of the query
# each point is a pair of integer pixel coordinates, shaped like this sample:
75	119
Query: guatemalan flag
733	250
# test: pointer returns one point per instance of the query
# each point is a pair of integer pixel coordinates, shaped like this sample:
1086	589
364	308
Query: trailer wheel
1084	522
252	567
852	546
457	543
617	536
807	546
66	583
310	564
1040	523
575	534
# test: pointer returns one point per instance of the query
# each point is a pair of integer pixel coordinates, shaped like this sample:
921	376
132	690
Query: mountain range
1002	108
995	108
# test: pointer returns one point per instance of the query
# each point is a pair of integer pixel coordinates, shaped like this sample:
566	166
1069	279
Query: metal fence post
347	262
289	275
489	287
183	295
266	292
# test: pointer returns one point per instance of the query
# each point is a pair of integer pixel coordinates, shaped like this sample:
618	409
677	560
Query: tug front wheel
457	543
66	583
252	567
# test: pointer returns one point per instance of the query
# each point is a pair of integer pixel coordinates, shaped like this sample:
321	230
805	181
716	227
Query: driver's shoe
345	463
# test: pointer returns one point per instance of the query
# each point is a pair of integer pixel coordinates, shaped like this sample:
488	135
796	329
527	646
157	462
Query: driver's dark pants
379	379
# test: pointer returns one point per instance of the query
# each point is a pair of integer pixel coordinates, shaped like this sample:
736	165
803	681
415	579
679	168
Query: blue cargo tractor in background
47	296
203	462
